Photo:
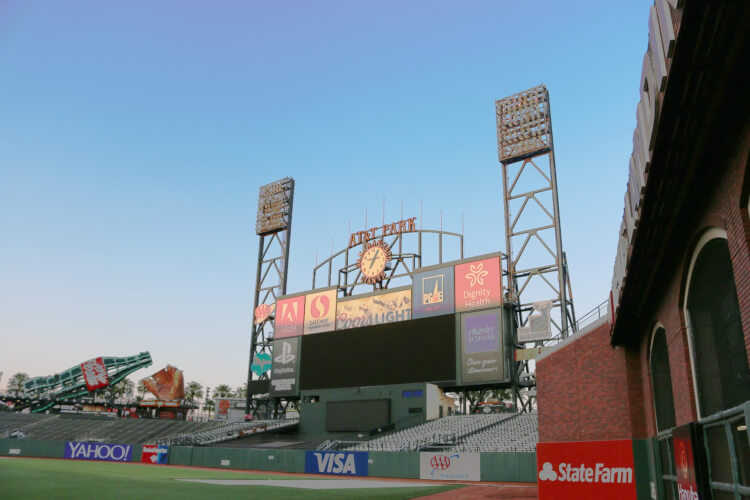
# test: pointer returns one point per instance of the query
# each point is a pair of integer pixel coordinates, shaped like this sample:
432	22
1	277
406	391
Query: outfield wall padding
42	448
505	467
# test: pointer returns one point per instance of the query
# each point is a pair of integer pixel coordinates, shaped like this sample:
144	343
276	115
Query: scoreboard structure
448	327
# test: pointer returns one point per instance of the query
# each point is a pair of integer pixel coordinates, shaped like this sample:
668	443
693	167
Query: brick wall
588	391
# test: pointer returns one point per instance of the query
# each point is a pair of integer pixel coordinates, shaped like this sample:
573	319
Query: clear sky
134	137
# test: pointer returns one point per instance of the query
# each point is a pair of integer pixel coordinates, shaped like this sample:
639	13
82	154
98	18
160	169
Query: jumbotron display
447	328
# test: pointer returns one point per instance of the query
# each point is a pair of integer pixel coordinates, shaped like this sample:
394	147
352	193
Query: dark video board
421	350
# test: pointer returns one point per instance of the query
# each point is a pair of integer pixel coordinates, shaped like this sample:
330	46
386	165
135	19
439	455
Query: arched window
661	381
720	368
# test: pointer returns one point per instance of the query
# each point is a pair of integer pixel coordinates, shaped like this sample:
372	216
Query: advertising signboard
94	374
222	407
538	325
482	347
154	454
320	312
337	463
451	466
290	314
374	310
432	293
285	369
478	285
687	470
586	469
98	451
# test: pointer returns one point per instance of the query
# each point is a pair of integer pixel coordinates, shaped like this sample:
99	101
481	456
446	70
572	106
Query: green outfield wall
506	467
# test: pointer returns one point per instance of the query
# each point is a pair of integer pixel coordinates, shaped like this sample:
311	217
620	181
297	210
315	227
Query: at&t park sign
380	232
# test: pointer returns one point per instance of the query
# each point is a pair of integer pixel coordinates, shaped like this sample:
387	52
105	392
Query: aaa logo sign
586	469
320	312
478	285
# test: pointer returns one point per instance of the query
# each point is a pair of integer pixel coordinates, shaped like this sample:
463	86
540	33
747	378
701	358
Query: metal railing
715	444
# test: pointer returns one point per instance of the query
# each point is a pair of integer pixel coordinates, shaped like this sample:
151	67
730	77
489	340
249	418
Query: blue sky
134	137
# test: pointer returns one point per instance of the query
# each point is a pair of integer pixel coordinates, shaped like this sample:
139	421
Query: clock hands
374	257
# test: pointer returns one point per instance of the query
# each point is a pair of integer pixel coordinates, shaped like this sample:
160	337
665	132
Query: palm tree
223	391
141	390
15	384
193	391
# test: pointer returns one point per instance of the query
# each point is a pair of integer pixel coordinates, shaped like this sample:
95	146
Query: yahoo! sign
98	451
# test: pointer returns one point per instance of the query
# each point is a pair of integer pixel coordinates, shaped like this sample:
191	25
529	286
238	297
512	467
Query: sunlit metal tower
274	226
537	270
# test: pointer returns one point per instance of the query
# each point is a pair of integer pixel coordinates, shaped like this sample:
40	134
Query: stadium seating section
502	432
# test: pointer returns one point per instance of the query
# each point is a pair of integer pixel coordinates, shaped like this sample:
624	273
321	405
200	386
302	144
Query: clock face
372	262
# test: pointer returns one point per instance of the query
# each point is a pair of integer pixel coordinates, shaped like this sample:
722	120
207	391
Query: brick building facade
676	349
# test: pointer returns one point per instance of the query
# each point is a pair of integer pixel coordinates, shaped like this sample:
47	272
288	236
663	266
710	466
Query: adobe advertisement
320	312
336	463
154	454
374	310
290	315
450	466
94	374
586	469
285	368
432	292
478	285
98	451
482	347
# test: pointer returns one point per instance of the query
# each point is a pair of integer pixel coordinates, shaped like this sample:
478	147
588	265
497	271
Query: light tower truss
274	227
537	276
538	282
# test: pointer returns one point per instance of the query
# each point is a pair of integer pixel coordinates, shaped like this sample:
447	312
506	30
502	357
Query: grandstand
117	430
508	432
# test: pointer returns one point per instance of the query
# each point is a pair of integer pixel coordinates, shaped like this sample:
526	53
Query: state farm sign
586	469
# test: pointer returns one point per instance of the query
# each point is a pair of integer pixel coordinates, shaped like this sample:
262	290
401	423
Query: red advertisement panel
684	464
290	317
94	374
478	285
586	469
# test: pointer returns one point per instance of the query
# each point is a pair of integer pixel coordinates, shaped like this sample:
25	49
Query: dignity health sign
98	451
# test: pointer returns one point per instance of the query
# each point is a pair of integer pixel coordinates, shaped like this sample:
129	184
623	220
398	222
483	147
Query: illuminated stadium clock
372	262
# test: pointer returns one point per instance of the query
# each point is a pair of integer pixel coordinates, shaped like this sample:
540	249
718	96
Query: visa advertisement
478	285
153	454
285	368
290	314
374	310
482	347
320	312
450	466
98	451
336	463
586	469
432	292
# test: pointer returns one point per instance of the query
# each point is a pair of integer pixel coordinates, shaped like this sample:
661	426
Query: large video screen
421	350
351	416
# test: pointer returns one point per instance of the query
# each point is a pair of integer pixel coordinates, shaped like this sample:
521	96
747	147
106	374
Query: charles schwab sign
98	451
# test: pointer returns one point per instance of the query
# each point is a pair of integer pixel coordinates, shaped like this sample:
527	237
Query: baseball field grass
23	478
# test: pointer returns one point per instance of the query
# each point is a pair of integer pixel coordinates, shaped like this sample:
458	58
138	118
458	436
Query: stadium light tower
274	226
537	275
